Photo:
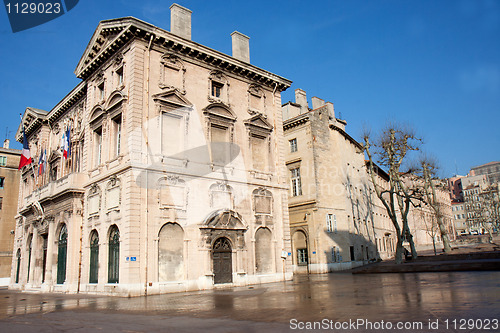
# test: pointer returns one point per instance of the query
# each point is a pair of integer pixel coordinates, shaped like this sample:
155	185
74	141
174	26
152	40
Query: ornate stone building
336	220
174	177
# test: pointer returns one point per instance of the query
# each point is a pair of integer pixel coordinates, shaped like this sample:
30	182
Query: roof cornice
129	28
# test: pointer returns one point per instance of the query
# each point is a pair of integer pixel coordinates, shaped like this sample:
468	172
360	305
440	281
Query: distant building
491	170
473	186
336	220
455	188
9	194
460	217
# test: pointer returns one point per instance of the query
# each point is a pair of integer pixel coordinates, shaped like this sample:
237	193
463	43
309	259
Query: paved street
332	299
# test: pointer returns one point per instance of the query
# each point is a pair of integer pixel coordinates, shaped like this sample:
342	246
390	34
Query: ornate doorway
222	261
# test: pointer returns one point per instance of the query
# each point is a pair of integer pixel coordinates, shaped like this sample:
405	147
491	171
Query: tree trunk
444	235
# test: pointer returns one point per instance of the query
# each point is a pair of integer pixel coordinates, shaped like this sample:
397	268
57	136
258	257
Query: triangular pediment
31	118
220	110
172	97
259	121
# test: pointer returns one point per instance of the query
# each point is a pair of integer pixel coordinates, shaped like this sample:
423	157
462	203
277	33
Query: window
296	182
2	181
217	89
119	76
100	91
117	134
331	223
293	145
97	146
3	160
302	256
113	255
62	254
94	257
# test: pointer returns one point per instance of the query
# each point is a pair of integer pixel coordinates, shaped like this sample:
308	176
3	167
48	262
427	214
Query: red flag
25	156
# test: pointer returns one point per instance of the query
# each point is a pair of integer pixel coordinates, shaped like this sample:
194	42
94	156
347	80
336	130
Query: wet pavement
339	302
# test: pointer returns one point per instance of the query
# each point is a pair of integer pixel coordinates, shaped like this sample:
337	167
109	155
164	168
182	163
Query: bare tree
390	151
487	210
431	182
431	227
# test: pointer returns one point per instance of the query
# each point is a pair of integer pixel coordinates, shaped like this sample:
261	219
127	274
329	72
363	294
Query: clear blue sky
434	65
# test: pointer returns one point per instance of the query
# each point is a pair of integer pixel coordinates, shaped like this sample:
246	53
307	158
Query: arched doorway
222	261
62	254
301	255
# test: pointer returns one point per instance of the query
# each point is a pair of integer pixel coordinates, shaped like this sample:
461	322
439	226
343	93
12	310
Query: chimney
317	102
331	110
6	143
241	46
301	99
180	21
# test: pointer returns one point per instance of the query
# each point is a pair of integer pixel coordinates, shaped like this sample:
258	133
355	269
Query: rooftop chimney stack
301	99
6	143
317	102
241	46
180	21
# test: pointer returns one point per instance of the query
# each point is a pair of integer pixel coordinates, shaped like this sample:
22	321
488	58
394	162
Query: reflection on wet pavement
338	297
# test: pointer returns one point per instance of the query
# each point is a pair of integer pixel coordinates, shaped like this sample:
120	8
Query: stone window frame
97	123
262	192
256	90
221	187
3	160
172	61
94	191
294	192
331	223
119	71
219	78
173	181
112	184
293	145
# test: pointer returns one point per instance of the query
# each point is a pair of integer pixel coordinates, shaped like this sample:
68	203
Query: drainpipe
147	173
81	244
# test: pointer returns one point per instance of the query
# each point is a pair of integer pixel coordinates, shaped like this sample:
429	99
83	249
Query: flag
41	162
25	156
67	143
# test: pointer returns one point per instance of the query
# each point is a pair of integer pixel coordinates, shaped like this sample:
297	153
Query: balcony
69	183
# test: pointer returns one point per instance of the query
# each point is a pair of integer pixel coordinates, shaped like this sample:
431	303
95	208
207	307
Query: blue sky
434	65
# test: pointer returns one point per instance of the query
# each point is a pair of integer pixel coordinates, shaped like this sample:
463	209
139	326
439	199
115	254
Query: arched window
113	255
61	254
170	253
94	257
18	268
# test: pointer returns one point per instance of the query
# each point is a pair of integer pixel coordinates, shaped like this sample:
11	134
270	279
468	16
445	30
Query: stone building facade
9	191
336	220
175	177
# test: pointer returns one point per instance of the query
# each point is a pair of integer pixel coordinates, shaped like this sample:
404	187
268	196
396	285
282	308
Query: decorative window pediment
115	99
258	123
170	100
96	114
220	111
224	219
